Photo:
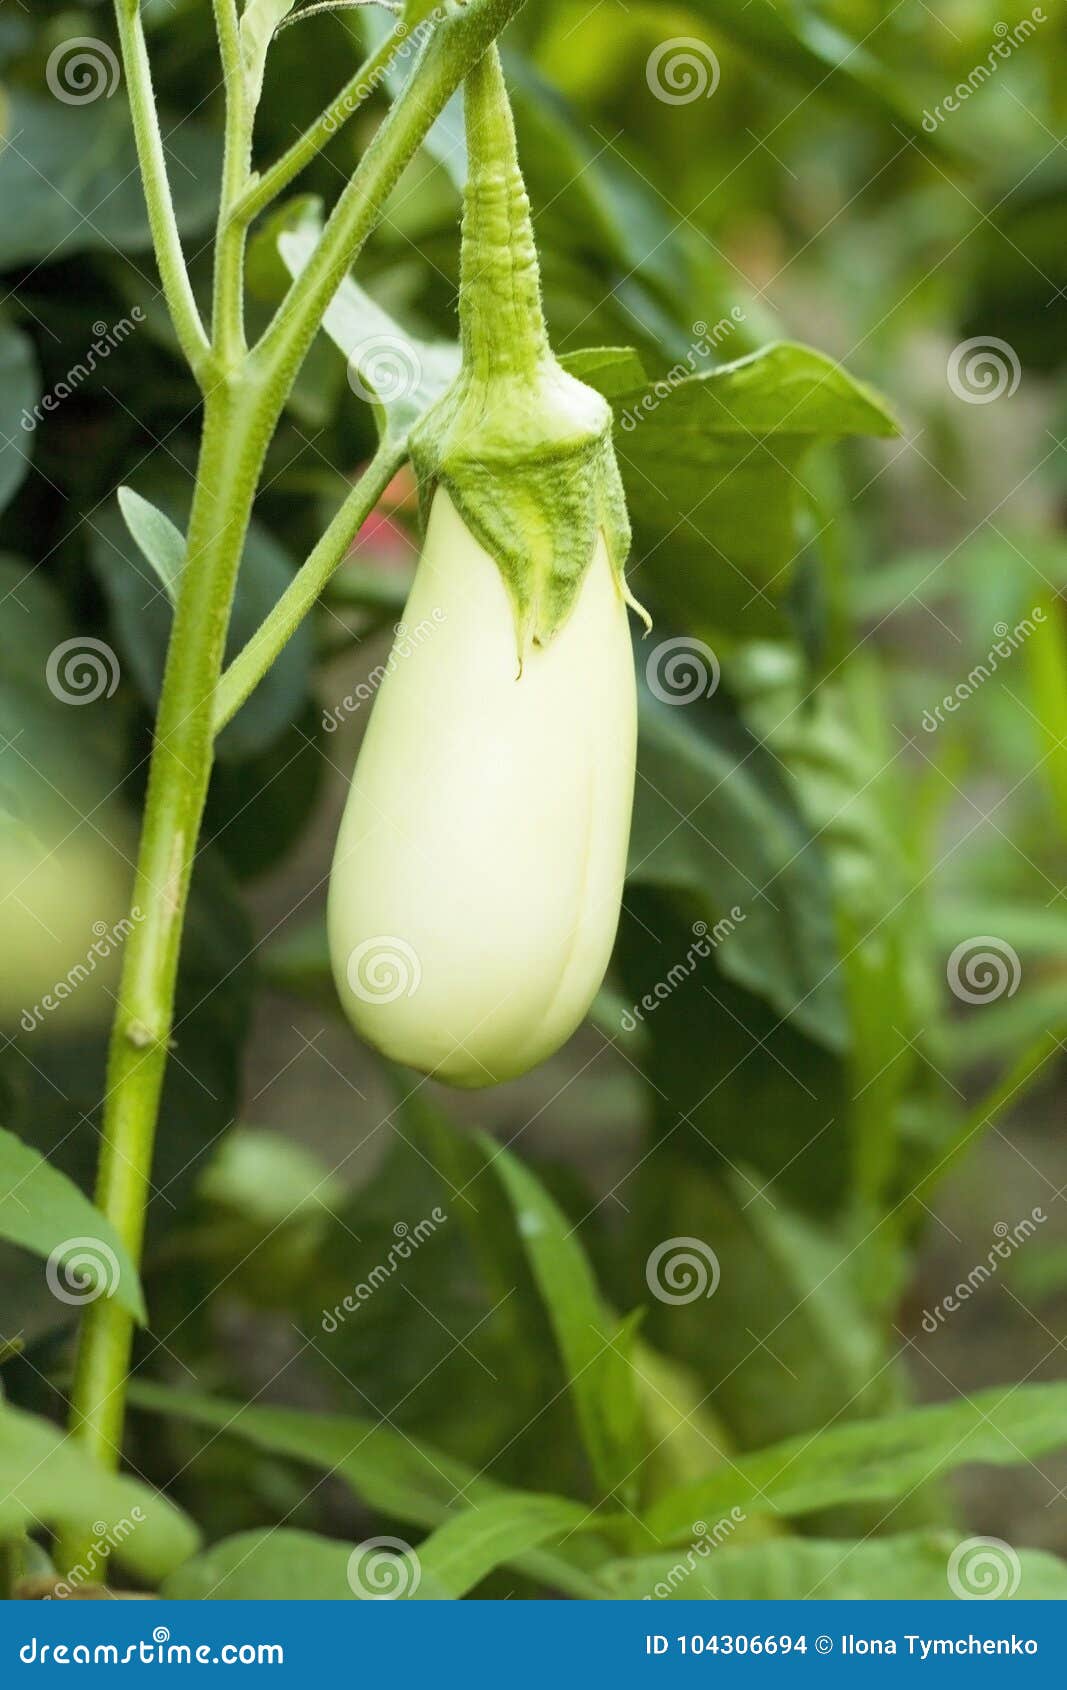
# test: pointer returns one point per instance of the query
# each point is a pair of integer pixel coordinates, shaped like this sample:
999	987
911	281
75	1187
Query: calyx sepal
523	448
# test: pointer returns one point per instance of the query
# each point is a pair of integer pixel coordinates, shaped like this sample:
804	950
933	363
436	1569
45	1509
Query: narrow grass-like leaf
392	1472
281	1565
911	1567
594	1344
873	1460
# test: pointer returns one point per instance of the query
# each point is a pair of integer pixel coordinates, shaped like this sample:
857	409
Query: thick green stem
319	134
165	237
232	449
252	663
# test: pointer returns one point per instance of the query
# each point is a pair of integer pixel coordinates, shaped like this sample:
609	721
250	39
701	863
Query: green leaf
464	1551
716	828
401	374
595	1346
47	1478
162	544
42	1210
258	23
801	44
610	369
72	184
873	1460
18	393
710	467
142	615
394	1473
909	1567
281	1565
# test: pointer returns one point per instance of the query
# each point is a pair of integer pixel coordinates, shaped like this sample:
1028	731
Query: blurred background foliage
850	547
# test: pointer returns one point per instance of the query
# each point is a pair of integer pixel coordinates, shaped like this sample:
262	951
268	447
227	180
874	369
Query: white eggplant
478	875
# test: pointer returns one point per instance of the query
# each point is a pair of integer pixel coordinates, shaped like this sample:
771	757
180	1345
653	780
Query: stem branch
253	661
177	289
357	89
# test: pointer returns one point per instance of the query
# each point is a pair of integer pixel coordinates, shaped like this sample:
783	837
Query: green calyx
523	449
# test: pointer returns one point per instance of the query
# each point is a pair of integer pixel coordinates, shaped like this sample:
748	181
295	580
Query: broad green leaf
393	1473
282	1565
794	39
610	369
909	1567
710	463
72	184
258	22
873	1460
48	1478
401	374
595	1346
717	829
43	1211
18	393
162	544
